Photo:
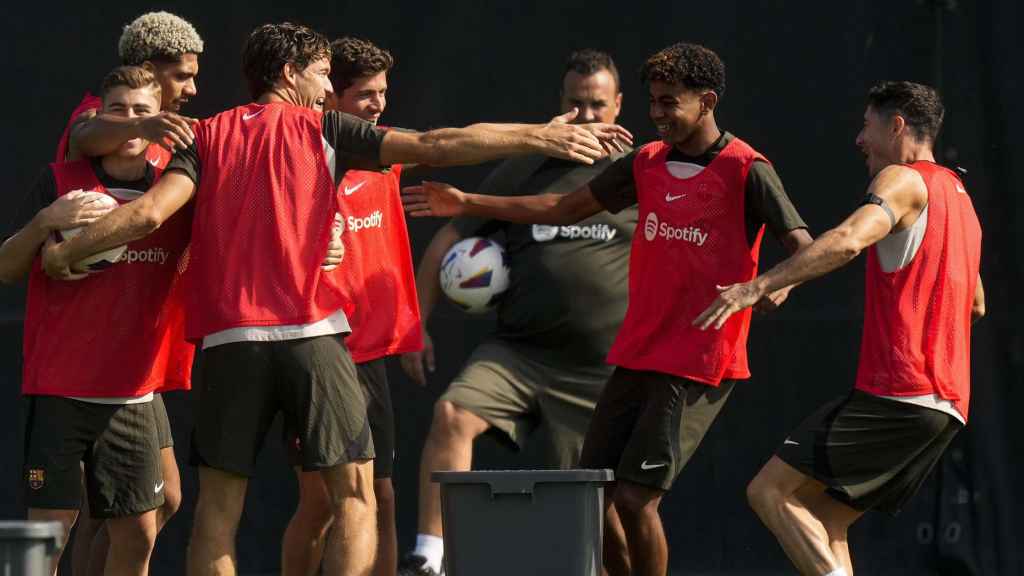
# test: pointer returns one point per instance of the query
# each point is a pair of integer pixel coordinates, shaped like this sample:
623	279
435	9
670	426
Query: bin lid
26	530
522	481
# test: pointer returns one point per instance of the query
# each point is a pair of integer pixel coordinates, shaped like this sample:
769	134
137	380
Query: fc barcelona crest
36	478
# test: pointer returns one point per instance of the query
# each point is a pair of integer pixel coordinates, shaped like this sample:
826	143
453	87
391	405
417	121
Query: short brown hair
134	77
353	58
919	105
271	46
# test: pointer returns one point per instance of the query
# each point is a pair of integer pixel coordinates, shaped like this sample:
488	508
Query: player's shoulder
898	180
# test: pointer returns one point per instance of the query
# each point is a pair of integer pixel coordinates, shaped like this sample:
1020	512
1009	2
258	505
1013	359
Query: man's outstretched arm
438	199
127	223
99	135
484	142
903	192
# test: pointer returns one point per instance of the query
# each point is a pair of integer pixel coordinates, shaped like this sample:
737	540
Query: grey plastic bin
516	522
27	548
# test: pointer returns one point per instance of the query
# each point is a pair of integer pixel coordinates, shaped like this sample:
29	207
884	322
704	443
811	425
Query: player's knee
632	499
172	502
314	505
66	518
350	489
452	423
135	537
762	495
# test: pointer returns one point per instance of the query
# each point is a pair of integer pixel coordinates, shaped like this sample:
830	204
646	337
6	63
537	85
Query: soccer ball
474	274
102	260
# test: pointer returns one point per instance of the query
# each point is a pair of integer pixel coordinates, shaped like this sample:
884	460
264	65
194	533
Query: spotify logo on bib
544	233
651	226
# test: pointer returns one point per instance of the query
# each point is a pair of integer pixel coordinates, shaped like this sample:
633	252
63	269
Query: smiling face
128	102
366	98
677	112
878	139
311	84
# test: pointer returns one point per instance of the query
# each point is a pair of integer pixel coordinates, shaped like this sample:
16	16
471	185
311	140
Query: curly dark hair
589	61
919	105
271	46
690	65
353	58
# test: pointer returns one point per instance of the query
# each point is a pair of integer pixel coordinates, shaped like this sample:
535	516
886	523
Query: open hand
170	130
731	299
74	209
433	199
560	139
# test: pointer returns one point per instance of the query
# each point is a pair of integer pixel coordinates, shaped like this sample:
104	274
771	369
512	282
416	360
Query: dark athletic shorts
514	390
870	452
163	423
648	424
312	381
373	377
117	443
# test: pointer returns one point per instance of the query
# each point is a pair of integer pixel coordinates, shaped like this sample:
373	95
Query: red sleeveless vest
917	320
691	237
119	332
265	205
377	272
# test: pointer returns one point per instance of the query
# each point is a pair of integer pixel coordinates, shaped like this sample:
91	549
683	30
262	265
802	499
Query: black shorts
117	443
647	425
312	381
373	377
870	452
163	423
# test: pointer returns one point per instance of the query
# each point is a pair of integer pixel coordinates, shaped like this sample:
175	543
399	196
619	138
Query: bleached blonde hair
158	36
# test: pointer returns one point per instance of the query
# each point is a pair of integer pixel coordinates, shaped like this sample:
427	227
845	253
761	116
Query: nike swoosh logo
154	161
671	198
352	190
645	466
788	441
251	115
158	488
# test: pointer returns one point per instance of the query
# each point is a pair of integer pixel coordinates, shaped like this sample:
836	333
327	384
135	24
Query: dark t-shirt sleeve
767	202
615	188
41	195
186	161
356	142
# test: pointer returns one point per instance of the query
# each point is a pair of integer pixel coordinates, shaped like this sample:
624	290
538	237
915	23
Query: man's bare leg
615	549
87	559
637	506
211	550
302	547
449	446
65	517
352	542
803	536
387	541
89	554
837	519
135	537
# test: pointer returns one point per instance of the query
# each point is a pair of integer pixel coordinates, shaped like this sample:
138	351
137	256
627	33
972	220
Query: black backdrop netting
796	85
